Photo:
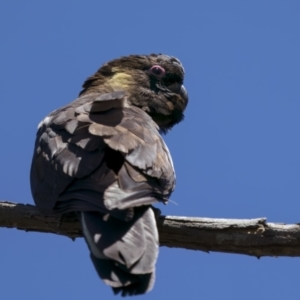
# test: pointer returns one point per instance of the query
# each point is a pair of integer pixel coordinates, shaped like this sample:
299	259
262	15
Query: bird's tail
124	253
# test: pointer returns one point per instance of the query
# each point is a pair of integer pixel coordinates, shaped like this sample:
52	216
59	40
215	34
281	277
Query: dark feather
121	252
103	157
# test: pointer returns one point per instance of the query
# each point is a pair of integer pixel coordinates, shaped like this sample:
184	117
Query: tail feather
124	253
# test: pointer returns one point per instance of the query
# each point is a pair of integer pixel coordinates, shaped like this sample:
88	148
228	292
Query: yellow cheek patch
120	80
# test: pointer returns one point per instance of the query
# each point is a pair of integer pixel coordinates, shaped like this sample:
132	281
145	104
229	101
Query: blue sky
237	154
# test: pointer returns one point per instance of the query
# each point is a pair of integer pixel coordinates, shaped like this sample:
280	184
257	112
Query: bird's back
106	160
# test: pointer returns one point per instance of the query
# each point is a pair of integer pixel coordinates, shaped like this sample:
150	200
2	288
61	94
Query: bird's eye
157	70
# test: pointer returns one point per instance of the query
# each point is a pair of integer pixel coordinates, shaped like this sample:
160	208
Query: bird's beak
183	93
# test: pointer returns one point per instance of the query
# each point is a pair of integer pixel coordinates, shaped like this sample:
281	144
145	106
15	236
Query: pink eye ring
157	71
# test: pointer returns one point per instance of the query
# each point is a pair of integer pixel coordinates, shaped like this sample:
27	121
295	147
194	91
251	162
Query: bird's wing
105	159
80	148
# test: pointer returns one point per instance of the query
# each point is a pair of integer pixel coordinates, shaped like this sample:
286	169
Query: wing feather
106	160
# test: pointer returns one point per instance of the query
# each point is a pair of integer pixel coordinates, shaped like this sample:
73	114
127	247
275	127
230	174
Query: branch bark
253	237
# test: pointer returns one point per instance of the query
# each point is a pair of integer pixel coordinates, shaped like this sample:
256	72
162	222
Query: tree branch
253	237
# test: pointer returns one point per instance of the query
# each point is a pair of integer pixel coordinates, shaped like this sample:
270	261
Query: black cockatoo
102	157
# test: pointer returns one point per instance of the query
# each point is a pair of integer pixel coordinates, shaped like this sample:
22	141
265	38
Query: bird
103	158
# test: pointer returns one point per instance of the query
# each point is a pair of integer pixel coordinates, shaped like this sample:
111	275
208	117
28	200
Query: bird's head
153	83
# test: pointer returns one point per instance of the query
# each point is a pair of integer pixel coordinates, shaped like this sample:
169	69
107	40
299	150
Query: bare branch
253	237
